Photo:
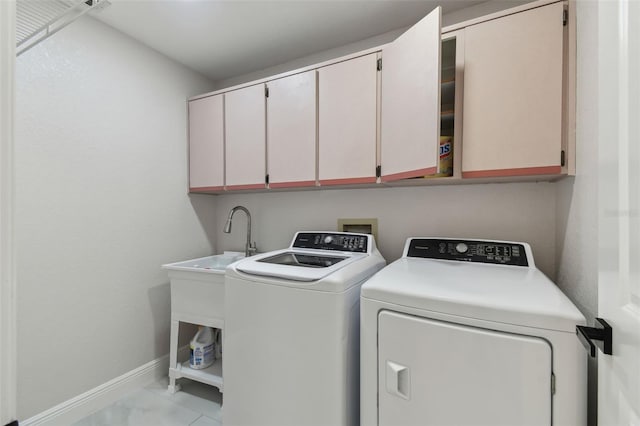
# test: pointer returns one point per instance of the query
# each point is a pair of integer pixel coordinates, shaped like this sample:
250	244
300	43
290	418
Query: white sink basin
215	264
197	288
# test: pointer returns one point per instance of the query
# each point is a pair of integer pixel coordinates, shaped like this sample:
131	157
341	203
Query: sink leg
173	355
173	387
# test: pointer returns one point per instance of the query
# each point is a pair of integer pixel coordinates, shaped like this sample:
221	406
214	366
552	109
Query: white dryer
292	331
469	332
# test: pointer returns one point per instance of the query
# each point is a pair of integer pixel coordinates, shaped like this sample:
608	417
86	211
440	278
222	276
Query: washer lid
303	260
296	264
502	293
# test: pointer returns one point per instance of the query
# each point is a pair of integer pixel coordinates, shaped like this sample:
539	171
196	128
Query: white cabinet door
410	129
437	373
245	131
347	121
206	144
291	131
512	118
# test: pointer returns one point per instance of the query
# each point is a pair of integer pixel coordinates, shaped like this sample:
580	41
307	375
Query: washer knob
328	239
462	248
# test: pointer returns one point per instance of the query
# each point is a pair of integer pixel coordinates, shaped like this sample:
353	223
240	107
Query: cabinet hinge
553	384
266	179
378	171
266	91
379	64
565	17
562	160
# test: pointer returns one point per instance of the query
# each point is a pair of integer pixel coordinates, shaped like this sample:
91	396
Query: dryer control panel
357	243
496	252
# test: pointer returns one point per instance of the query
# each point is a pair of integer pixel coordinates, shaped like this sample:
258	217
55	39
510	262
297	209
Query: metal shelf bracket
39	20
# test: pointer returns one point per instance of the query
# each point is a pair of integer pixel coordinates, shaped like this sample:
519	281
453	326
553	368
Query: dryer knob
328	239
462	248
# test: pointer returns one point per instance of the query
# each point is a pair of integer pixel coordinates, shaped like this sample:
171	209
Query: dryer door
437	373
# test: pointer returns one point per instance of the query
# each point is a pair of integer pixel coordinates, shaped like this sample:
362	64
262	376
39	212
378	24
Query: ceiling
223	39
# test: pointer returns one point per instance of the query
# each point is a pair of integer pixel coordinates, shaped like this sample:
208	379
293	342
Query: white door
291	131
410	111
245	137
437	373
619	210
347	121
206	144
7	258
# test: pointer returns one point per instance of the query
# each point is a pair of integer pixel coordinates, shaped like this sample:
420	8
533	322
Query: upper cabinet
291	130
513	95
410	113
245	145
347	121
206	144
491	98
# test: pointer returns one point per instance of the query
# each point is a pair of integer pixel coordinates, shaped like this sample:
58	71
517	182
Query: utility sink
197	288
215	264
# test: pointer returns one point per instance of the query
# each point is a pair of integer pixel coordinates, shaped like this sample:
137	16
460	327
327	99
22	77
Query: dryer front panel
437	373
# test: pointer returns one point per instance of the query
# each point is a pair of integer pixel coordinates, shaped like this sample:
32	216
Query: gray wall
516	211
461	15
577	200
101	203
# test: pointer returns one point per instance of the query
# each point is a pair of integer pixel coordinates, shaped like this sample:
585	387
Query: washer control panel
357	243
496	252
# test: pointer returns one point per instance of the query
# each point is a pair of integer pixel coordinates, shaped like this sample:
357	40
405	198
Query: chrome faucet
250	248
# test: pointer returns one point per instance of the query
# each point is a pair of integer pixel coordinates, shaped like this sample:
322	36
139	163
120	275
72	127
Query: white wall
315	58
516	211
577	197
461	15
577	201
101	178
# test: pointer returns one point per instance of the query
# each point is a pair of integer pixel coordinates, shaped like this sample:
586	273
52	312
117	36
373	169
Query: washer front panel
290	355
432	372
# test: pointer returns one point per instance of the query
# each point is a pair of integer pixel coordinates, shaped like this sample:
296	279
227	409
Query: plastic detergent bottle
202	348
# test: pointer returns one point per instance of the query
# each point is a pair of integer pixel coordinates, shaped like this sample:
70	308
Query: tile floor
196	404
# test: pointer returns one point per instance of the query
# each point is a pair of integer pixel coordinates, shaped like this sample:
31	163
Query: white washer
469	332
292	330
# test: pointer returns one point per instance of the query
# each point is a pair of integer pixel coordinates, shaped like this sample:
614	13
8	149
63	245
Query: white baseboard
104	395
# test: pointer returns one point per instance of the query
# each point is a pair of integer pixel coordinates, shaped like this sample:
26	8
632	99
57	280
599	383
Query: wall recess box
361	226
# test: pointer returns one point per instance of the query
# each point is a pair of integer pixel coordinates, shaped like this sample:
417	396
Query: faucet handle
252	249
